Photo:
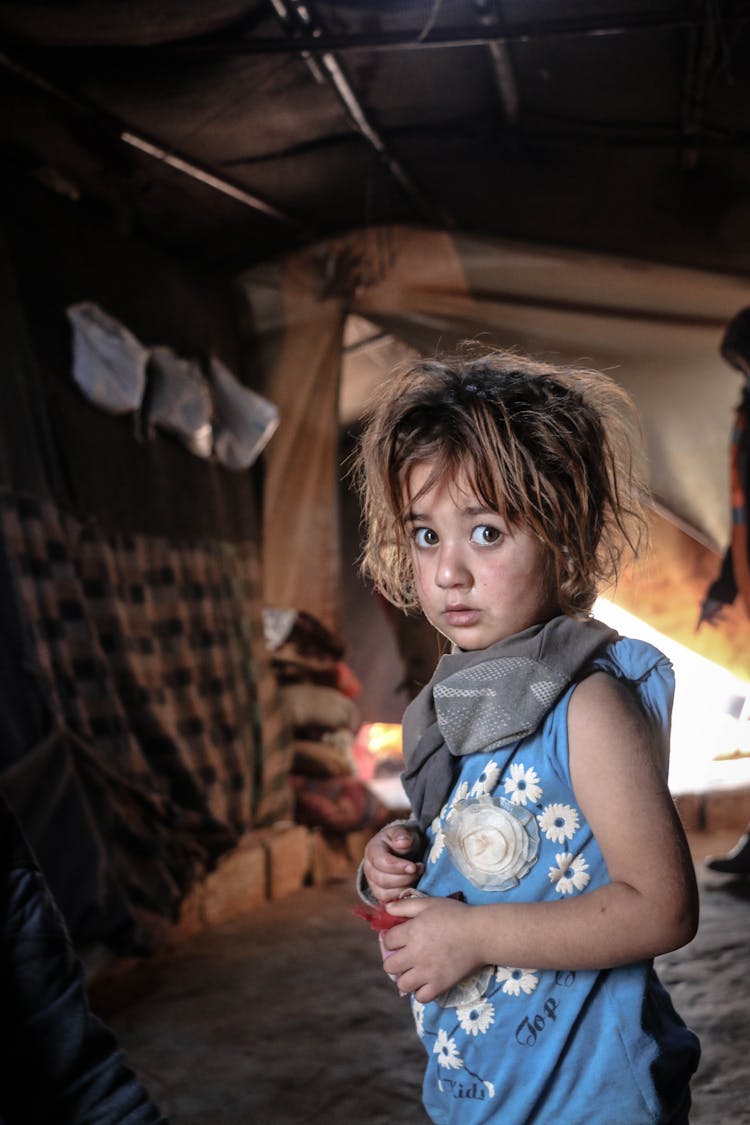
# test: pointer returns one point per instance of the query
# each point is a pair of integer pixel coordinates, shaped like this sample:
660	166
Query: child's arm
650	907
389	866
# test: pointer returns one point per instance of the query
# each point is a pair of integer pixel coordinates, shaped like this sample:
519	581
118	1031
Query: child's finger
385	953
408	907
391	940
404	866
392	884
394	865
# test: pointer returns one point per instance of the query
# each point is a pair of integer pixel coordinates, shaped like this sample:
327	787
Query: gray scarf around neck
489	698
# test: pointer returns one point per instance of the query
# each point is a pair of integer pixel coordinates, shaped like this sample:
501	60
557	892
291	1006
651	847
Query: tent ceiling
240	128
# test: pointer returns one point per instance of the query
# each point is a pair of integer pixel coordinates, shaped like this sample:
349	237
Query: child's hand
387	868
433	949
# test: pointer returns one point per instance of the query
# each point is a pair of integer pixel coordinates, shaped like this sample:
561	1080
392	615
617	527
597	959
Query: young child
550	865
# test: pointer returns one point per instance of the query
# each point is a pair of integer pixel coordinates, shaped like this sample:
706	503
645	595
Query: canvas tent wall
139	732
655	328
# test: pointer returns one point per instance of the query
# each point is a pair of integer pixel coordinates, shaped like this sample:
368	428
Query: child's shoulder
600	702
630	659
628	677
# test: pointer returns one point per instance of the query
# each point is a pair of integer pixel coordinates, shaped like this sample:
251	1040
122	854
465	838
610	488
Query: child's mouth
461	615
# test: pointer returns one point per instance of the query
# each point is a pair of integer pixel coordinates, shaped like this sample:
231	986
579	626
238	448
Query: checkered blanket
164	711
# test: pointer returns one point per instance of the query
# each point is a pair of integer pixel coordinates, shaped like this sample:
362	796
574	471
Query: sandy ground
284	1017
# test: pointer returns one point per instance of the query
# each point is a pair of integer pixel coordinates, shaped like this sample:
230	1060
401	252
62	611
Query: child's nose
451	569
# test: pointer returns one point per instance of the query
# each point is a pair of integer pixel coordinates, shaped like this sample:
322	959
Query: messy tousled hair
551	449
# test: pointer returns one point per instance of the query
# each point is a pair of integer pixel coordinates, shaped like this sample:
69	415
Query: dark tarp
85	458
140	732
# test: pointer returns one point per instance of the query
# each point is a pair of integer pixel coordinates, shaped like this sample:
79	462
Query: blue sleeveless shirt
522	1046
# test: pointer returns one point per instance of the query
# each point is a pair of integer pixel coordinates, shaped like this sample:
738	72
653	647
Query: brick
331	860
238	884
289	854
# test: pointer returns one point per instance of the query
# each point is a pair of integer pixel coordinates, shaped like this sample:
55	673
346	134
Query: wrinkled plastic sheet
245	421
109	363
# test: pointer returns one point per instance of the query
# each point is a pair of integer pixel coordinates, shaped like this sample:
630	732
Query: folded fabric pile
317	691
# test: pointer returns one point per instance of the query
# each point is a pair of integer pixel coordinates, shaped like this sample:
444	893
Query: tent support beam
297	14
152	148
490	17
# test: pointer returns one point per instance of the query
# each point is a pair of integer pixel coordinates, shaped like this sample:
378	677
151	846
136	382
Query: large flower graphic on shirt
492	842
447	1052
475	1019
559	822
516	981
523	784
486	781
570	875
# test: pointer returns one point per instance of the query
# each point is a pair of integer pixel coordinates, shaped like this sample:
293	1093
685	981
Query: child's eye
486	535
424	537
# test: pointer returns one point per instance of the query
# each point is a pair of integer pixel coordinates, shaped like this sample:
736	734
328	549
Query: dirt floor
284	1016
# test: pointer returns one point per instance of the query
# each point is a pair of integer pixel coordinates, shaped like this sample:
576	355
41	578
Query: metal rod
205	176
294	14
489	16
152	148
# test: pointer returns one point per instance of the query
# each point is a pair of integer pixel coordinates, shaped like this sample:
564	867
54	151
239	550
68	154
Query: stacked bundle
317	692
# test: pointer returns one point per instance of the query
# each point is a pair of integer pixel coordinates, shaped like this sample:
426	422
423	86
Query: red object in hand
377	916
346	681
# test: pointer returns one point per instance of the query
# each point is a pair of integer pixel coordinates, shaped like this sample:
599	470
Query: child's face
477	581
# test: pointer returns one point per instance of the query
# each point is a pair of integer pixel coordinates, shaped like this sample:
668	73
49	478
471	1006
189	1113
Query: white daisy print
486	781
516	981
437	846
475	1019
417	1010
570	874
462	792
448	811
446	1051
559	822
523	784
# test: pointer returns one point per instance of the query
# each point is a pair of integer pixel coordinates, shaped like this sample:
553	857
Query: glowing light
383	739
710	746
377	749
